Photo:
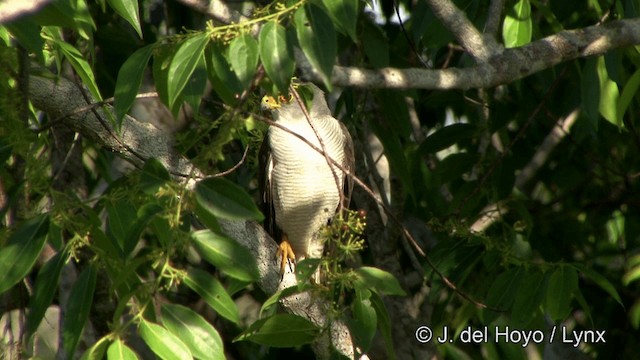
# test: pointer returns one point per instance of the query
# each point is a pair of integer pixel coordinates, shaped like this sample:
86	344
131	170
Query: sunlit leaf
163	343
213	293
119	350
81	66
628	94
201	338
128	9
379	280
97	350
224	199
243	57
276	54
183	64
516	29
129	80
228	255
609	95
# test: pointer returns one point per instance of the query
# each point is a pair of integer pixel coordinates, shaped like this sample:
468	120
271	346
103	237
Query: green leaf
81	66
503	292
232	258
634	315
379	280
345	14
455	165
226	200
201	338
364	323
243	57
276	54
121	216
528	299
600	280
163	343
516	29
44	290
162	56
118	350
375	45
317	39
22	250
447	136
273	299
633	272
27	33
628	94
384	324
213	293
194	89
282	330
183	64
153	176
560	290
97	350
129	80
305	270
590	91
224	80
128	9
609	94
77	311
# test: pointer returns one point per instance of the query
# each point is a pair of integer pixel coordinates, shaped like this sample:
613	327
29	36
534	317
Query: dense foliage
515	206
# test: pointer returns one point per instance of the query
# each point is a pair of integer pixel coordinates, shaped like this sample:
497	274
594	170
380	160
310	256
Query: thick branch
215	9
468	36
136	142
13	9
510	65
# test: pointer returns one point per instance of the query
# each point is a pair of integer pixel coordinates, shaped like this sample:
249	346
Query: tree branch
506	67
454	19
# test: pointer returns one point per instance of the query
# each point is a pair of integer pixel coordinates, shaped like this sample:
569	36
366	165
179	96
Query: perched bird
301	192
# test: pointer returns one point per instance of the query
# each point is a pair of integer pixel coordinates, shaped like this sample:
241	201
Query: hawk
301	192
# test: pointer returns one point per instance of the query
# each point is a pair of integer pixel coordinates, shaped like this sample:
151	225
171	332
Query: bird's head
270	103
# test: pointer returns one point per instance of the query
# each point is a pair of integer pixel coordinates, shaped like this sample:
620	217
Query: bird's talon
286	255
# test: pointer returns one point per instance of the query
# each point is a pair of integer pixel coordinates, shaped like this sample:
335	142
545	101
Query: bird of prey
301	192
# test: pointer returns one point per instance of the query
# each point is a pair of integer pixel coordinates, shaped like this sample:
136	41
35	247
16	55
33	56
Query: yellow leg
285	254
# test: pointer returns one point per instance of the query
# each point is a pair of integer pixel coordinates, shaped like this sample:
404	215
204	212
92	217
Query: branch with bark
500	67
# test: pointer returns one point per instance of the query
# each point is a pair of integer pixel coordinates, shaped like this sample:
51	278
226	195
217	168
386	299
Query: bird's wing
265	187
349	164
